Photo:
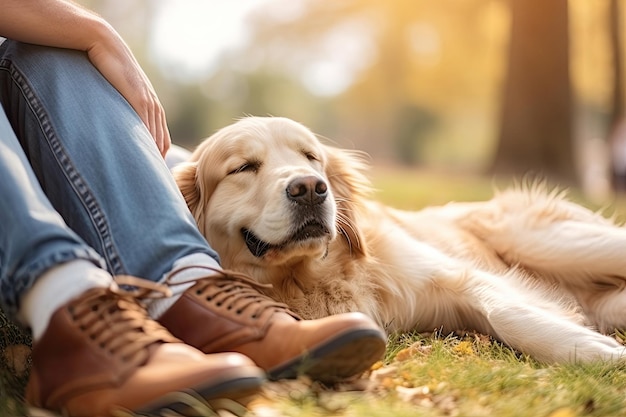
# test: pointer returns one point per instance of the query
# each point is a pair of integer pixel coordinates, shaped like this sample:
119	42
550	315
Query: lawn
462	374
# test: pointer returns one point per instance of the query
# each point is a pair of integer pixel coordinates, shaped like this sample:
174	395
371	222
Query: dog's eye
247	167
311	156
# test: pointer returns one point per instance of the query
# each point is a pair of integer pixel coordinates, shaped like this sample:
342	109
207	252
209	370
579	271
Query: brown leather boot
101	353
226	312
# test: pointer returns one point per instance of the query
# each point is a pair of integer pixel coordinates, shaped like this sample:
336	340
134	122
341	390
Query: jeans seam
72	175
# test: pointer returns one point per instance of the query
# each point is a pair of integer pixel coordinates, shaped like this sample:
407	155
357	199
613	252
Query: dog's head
266	192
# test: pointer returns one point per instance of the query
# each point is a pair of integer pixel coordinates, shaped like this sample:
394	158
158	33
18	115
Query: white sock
57	286
159	306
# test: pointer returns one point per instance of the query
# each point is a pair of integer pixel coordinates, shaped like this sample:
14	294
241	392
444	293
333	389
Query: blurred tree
415	69
189	115
444	65
412	123
403	77
617	121
617	52
435	65
536	120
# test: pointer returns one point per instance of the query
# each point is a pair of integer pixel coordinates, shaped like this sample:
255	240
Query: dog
542	274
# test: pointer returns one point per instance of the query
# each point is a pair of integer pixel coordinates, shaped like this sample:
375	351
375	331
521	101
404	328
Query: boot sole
189	401
336	359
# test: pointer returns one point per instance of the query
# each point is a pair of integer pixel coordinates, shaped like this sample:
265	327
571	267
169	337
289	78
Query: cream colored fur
540	273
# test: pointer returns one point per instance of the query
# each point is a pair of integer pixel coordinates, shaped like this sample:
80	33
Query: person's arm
64	24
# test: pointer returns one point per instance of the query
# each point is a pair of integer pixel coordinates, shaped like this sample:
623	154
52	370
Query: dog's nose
308	190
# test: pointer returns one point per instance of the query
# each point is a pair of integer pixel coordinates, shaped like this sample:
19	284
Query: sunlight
345	51
191	35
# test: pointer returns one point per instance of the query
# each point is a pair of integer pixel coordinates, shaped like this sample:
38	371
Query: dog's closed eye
310	156
246	167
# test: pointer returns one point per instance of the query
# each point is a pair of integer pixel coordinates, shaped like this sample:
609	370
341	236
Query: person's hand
117	64
46	22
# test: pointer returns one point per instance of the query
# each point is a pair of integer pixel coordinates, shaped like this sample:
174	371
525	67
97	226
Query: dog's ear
186	176
345	172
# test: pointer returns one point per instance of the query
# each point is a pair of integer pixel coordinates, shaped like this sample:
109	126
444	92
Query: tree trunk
536	119
615	36
617	122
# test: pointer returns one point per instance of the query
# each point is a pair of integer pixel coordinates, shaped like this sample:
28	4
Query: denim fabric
80	176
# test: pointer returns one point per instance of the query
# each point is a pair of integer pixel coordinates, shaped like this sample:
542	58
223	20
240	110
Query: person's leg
33	237
96	350
96	161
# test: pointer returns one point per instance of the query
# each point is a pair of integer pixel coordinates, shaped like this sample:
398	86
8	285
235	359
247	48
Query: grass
484	378
451	375
12	383
426	375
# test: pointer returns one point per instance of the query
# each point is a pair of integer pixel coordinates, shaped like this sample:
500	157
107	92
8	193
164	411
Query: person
100	257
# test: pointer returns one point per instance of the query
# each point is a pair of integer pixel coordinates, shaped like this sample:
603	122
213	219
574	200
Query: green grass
447	375
413	189
471	376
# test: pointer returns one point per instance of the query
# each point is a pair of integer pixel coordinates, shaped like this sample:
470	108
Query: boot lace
114	319
233	291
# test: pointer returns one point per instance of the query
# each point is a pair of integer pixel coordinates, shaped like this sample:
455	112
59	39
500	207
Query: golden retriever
541	274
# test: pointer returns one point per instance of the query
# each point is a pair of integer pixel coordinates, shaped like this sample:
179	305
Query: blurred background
501	88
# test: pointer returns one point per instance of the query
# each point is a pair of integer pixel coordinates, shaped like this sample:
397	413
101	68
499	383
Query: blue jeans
80	176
